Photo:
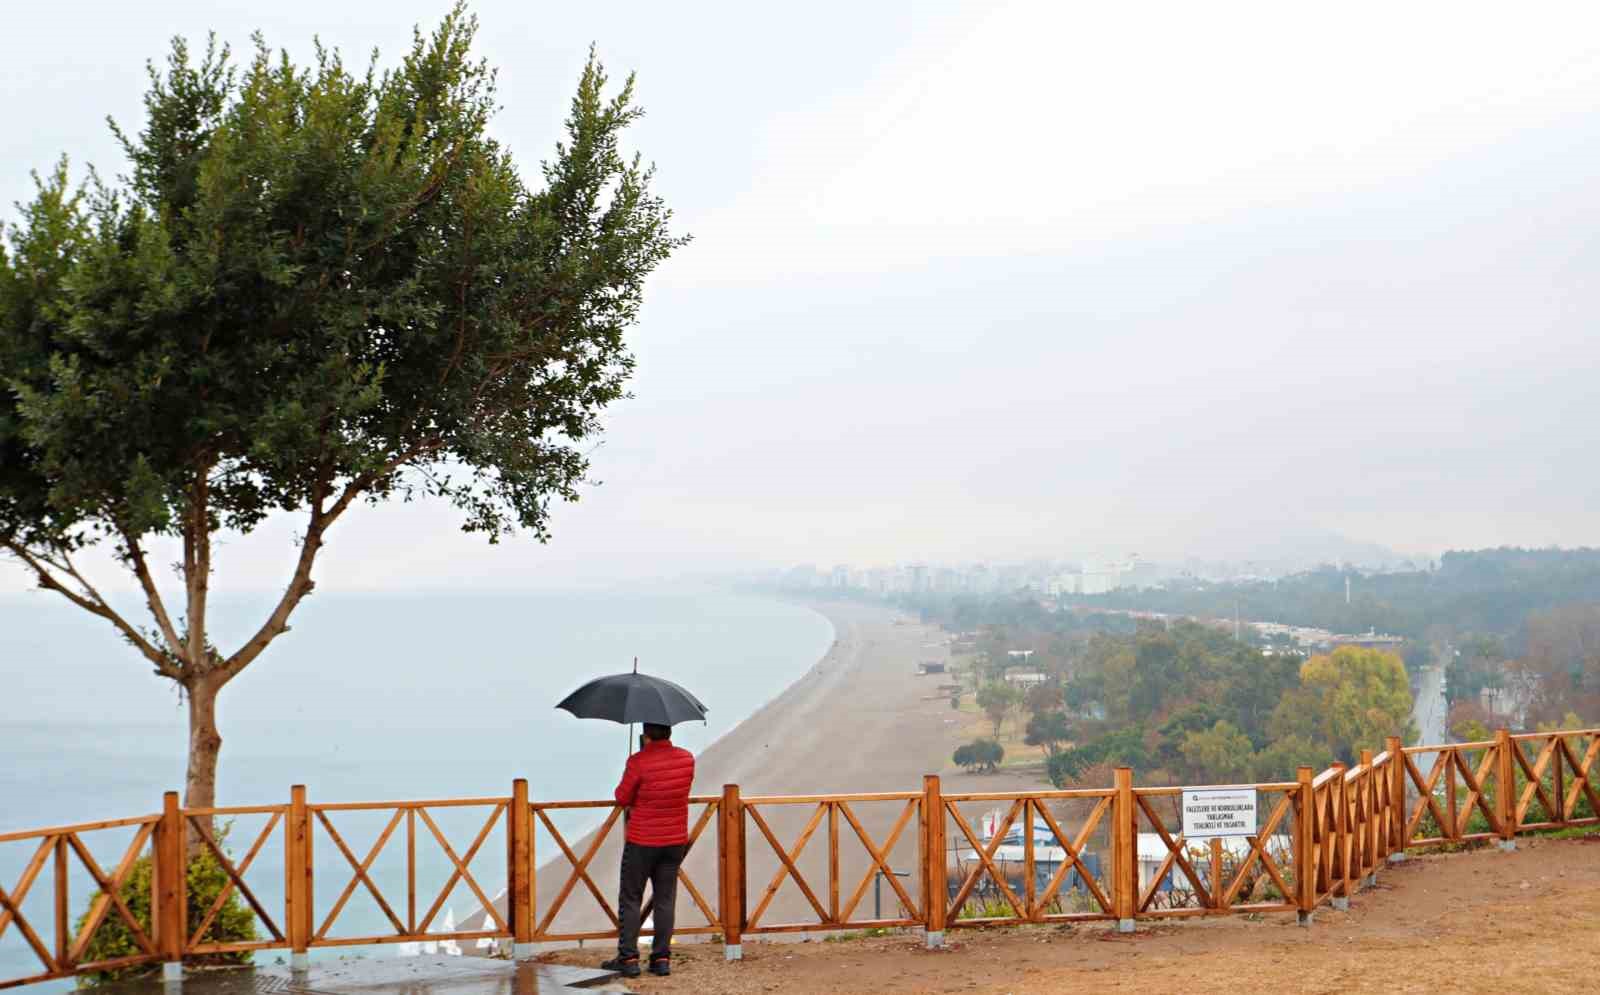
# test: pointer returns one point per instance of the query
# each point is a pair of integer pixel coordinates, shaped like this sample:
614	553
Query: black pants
659	866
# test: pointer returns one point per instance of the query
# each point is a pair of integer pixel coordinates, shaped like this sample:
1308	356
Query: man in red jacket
655	792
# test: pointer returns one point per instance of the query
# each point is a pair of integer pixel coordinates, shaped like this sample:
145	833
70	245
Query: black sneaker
628	967
660	966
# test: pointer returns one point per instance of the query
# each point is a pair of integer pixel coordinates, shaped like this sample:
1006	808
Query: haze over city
1019	280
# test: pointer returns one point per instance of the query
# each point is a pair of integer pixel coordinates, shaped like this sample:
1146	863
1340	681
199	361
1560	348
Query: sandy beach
859	720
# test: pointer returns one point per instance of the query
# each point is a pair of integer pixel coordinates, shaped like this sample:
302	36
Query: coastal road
1429	711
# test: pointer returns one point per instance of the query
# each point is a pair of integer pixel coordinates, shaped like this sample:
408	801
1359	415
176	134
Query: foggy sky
989	281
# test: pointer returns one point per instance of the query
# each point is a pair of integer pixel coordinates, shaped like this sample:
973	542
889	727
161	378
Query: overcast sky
995	280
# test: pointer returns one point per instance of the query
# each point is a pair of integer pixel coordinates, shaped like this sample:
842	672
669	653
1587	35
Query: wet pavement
390	976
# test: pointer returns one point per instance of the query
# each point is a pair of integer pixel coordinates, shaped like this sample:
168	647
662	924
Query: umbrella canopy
629	698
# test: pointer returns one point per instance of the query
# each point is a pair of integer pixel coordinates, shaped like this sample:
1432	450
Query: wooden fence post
1367	803
1505	794
171	912
1397	799
1452	759
1341	837
298	883
1305	860
1558	782
519	837
730	866
936	869
1124	852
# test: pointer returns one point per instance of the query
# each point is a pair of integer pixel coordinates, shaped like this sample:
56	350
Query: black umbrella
635	697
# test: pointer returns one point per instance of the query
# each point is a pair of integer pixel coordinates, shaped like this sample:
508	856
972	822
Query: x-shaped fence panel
66	852
579	872
1453	817
837	812
200	824
1035	903
1218	888
410	927
1558	778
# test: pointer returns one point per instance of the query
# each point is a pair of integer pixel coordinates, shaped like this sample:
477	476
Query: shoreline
858	720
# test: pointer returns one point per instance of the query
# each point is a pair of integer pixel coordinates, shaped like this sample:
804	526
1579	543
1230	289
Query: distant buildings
1042	578
1026	680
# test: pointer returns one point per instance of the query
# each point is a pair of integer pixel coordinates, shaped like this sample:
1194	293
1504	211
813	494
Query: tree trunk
205	742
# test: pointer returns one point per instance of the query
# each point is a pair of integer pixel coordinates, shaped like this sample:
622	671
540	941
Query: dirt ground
1471	922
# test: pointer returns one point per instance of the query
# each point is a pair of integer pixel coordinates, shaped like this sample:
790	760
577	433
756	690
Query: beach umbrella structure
634	697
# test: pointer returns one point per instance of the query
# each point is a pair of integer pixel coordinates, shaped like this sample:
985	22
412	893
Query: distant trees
1278	761
1478	591
997	699
1049	730
982	754
1124	748
1359	696
1479	663
1187	703
1560	669
1042	698
1221	754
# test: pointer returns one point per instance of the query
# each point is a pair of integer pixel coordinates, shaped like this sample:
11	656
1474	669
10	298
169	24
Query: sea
369	697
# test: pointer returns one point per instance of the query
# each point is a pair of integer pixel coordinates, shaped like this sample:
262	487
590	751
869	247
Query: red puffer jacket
655	787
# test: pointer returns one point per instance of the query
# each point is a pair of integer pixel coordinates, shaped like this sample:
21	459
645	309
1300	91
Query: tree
997	699
1278	760
1559	670
1362	696
1124	748
1041	699
1048	730
1478	664
1219	755
984	754
317	287
1197	717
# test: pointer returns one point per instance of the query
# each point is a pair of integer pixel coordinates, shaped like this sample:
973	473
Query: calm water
370	697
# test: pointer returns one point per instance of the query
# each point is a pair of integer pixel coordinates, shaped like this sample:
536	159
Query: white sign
1214	812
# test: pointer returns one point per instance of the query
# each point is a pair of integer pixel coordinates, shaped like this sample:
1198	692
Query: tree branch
152	595
90	601
300	583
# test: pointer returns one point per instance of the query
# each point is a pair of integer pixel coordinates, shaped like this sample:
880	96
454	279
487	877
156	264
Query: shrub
983	753
235	922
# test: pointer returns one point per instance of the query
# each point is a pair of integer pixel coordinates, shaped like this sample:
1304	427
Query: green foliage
235	922
318	285
1471	731
981	754
1362	696
1041	699
1278	761
1196	717
313	277
1048	730
997	699
1569	720
992	906
1125	748
1220	754
1487	591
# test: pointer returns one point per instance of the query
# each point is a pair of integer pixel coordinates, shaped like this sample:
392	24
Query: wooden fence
1319	839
